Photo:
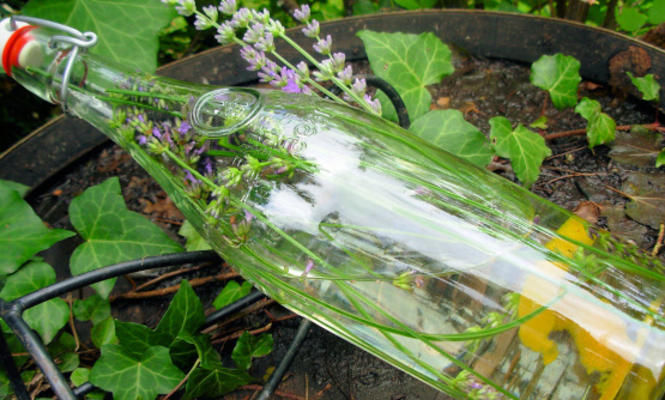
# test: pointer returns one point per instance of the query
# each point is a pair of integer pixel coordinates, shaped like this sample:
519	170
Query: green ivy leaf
231	292
647	85
559	75
209	357
112	233
415	4
127	30
194	240
68	362
46	318
250	346
93	308
656	13
131	376
19	187
104	333
600	126
525	149
22	233
660	160
448	130
136	339
631	19
408	62
80	376
215	382
185	313
540	123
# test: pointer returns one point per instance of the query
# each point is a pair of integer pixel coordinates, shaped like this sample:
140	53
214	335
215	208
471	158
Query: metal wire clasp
72	36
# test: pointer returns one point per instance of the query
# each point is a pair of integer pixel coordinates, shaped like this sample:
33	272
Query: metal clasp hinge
74	37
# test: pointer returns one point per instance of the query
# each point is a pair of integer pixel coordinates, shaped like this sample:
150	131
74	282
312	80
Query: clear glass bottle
464	280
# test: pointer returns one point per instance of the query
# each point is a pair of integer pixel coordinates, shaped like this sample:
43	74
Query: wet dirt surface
327	367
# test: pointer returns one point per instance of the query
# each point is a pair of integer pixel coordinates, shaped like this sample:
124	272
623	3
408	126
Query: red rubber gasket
14	46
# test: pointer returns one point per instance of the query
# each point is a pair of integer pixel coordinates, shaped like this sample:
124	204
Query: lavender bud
225	33
275	27
254	33
242	18
185	7
266	43
374	104
261	16
156	133
345	75
303	70
228	7
184	127
323	45
338	60
202	22
211	12
359	87
312	29
255	59
302	14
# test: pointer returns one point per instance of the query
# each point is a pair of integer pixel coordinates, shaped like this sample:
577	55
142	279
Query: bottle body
459	277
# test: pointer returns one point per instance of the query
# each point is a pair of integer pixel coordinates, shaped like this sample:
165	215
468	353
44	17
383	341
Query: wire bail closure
74	37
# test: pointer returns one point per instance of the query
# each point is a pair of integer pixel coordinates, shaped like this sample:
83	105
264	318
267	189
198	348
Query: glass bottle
459	277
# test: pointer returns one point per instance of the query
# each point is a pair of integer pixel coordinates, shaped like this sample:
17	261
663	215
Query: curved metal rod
390	91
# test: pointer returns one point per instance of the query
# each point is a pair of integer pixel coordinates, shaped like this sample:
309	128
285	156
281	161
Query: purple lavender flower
266	43
345	75
184	128
309	265
241	18
338	60
191	178
185	7
269	72
302	14
303	70
228	7
225	33
312	29
359	87
374	104
254	33
248	216
156	133
141	118
261	16
289	81
255	59
207	166
142	140
206	20
323	45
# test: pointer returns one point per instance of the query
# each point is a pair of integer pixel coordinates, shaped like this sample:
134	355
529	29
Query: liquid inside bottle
457	276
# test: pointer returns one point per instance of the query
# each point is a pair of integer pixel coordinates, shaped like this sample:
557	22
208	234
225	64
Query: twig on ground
72	325
573	175
172	289
254	307
237	334
279	393
182	382
659	241
574	132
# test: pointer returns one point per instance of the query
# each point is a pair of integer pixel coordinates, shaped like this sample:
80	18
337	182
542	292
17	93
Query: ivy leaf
93	308
19	187
660	160
448	130
46	318
215	382
656	13
22	233
647	195
209	357
112	233
409	63
525	149
631	19
231	292
640	147
136	339
184	315
559	75
647	85
127	30
540	123
415	4
80	376
250	346
132	376
194	240
104	333
68	362
600	126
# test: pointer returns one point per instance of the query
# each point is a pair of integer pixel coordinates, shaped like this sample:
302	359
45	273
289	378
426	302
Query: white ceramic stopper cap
30	52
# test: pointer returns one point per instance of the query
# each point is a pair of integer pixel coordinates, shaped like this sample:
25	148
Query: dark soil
327	367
